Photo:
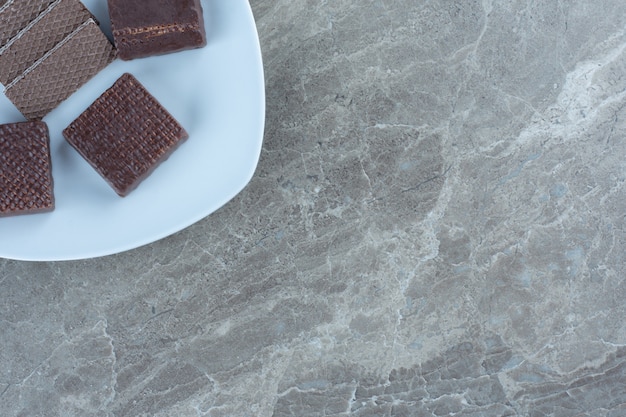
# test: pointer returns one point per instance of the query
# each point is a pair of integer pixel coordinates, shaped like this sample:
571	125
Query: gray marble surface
436	227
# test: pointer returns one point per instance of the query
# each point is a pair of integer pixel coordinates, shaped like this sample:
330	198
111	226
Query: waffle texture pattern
25	172
48	30
61	72
125	134
16	14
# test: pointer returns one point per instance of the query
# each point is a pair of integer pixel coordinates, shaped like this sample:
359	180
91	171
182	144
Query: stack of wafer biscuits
48	50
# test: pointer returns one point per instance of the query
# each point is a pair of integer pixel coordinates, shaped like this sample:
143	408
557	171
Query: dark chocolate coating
125	134
144	28
25	171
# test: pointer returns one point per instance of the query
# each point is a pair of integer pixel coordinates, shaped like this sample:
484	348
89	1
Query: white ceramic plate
217	93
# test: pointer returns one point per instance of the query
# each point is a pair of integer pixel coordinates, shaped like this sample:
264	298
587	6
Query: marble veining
436	228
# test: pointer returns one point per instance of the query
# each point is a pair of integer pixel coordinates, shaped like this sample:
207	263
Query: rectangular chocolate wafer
61	71
125	134
144	27
16	14
49	28
26	184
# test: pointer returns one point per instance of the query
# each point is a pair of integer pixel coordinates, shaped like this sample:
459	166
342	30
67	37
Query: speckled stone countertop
436	228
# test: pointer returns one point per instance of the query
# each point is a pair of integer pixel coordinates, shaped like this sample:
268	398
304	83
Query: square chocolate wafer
61	71
52	25
125	134
25	172
144	28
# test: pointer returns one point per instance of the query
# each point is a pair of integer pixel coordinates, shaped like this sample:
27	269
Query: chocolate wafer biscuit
49	28
61	71
16	14
25	172
146	27
125	134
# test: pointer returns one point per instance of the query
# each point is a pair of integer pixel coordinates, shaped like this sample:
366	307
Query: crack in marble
487	6
428	180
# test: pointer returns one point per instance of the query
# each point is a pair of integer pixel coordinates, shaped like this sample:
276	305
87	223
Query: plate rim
137	242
